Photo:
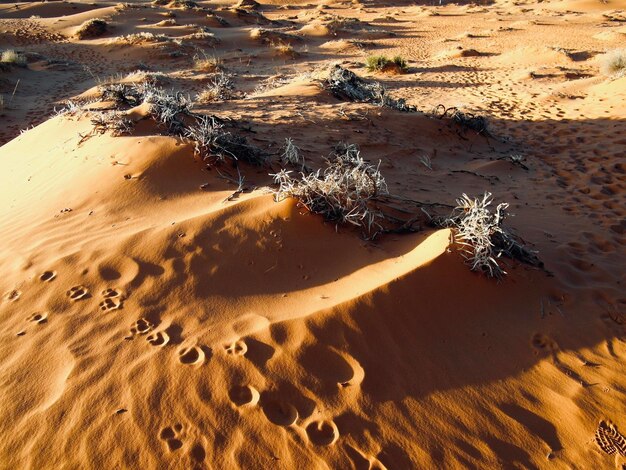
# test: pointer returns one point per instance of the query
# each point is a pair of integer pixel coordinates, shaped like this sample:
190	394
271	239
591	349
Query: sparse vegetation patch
346	85
380	63
613	63
342	192
93	28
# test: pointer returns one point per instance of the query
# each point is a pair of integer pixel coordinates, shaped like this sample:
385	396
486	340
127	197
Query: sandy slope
149	320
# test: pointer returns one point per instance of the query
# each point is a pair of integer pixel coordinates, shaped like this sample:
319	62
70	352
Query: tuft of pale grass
208	64
483	240
613	63
380	63
291	154
284	49
93	28
220	89
12	57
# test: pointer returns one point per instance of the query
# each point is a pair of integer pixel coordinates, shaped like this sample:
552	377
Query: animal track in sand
159	339
322	433
13	295
242	395
280	412
141	327
609	439
191	355
111	293
47	276
238	348
171	436
113	300
110	304
543	342
77	292
38	318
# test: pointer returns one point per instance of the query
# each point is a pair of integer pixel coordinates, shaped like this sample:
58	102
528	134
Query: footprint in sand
38	318
13	295
113	300
159	339
111	293
280	412
242	395
171	436
110	304
322	433
141	327
77	292
543	342
191	355
47	276
238	348
609	439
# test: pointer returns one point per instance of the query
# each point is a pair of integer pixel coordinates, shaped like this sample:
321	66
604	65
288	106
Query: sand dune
163	310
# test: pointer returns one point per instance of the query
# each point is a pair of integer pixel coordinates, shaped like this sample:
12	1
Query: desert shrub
271	36
291	154
143	38
114	121
213	144
167	109
466	120
482	237
93	28
343	192
183	4
219	89
170	22
13	58
380	63
613	63
346	85
69	108
122	94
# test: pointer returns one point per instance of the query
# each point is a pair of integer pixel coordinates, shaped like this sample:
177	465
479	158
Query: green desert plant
380	63
613	63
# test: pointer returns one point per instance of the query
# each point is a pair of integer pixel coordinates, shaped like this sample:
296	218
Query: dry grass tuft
12	57
613	63
220	89
208	64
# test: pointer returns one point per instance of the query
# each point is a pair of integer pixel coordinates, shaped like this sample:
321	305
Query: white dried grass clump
476	229
291	154
613	63
342	192
12	57
220	89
